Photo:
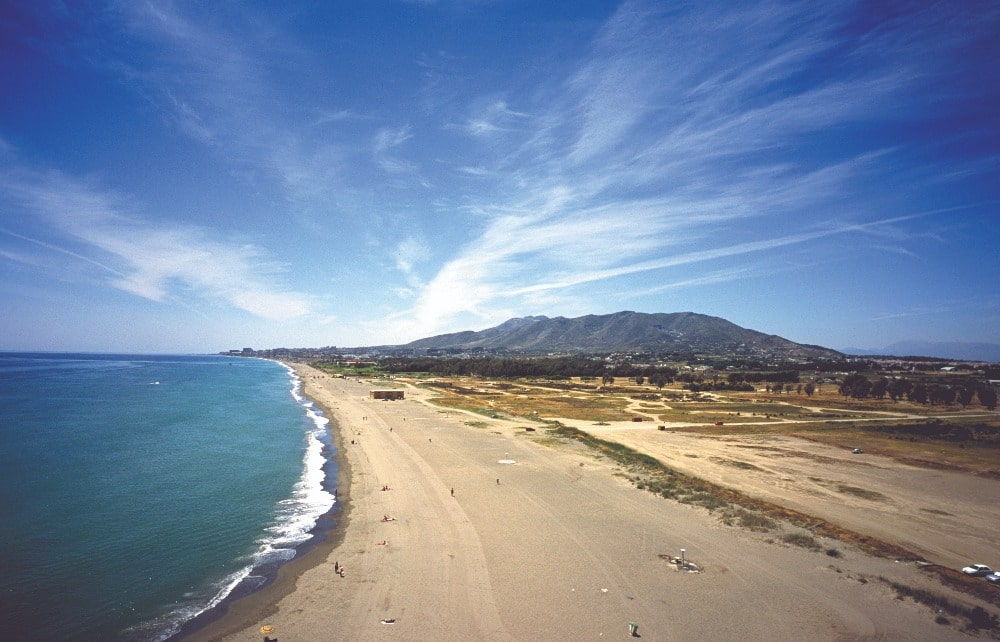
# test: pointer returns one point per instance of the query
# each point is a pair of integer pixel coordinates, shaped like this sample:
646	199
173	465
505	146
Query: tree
987	397
939	393
918	393
855	385
639	380
658	379
809	389
965	396
879	388
607	379
898	388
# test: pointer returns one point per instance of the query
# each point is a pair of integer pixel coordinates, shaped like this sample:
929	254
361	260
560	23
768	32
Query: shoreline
238	612
501	533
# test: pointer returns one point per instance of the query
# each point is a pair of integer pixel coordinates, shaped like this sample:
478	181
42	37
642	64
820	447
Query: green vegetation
802	540
735	463
941	392
976	618
738	516
507	368
981	434
348	370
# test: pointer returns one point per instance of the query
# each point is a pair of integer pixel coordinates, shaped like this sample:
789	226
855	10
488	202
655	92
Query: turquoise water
137	491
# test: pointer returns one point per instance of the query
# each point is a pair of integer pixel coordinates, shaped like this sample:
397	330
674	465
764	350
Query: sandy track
948	517
561	548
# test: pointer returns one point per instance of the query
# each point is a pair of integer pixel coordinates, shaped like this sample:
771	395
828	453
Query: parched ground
932	497
548	537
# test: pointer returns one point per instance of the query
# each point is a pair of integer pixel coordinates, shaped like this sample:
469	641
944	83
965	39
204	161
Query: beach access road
544	540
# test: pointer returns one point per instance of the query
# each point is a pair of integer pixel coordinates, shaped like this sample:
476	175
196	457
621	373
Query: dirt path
552	545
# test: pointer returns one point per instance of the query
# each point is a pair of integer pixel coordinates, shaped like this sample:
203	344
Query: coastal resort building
389	395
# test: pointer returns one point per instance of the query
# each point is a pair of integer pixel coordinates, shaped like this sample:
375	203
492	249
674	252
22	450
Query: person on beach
452	492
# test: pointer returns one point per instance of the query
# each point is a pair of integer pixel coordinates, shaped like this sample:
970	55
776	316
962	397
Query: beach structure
391	395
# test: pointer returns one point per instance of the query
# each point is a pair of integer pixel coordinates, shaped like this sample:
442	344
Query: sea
138	493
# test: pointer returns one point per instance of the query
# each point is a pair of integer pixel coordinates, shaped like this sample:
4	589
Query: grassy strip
976	618
671	484
654	476
975	586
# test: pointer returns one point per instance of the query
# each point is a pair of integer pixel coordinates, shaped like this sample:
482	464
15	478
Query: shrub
800	539
749	520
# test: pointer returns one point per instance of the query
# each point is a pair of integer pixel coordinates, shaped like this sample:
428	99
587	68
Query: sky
193	177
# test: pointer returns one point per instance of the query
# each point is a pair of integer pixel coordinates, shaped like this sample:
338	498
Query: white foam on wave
294	519
298	514
167	626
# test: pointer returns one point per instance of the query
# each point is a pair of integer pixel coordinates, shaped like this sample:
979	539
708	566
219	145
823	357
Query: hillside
680	332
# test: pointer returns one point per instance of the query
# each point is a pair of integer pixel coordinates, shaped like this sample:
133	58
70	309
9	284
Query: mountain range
679	332
955	350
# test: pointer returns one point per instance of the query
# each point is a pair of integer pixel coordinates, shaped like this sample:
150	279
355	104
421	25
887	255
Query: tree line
859	386
508	367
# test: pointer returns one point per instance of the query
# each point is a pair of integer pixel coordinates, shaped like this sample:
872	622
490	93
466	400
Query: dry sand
552	546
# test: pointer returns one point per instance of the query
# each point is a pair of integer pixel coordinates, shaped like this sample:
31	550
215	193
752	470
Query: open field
552	531
825	417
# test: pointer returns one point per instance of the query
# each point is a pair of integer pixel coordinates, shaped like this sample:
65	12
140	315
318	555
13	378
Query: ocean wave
295	518
170	624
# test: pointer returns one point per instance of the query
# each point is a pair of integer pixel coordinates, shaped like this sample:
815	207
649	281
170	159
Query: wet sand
542	540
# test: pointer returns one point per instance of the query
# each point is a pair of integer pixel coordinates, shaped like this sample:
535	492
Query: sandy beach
498	533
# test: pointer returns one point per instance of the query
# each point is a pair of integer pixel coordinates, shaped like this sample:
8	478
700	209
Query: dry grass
534	403
825	417
840	422
735	463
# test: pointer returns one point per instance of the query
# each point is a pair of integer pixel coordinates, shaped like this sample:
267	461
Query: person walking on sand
452	492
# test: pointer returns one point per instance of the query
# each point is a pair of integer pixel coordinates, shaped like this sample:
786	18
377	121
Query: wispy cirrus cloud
222	82
388	140
495	117
661	151
154	261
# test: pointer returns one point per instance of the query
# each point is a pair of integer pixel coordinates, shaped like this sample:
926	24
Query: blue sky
193	177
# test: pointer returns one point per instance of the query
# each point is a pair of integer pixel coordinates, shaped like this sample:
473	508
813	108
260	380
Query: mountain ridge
947	350
624	331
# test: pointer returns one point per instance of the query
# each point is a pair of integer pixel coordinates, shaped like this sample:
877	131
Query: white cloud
385	142
153	261
493	118
685	137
